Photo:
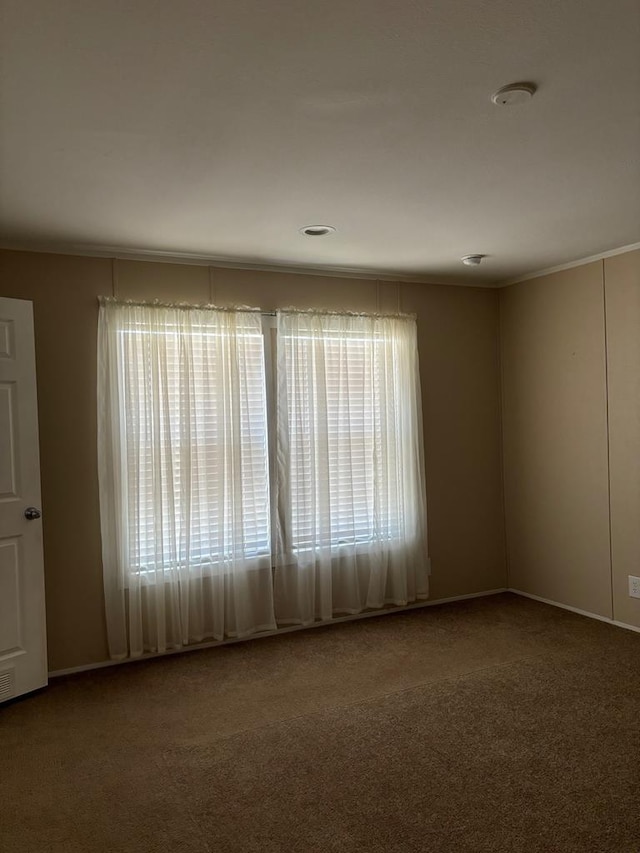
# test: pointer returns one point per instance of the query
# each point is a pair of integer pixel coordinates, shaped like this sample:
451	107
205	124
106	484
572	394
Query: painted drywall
458	340
555	438
622	290
459	367
64	291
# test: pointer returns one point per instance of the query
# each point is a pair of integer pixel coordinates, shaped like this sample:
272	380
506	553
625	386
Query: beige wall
555	438
458	340
571	397
622	288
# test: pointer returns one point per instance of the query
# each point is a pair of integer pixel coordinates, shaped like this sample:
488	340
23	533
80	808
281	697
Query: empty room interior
320	426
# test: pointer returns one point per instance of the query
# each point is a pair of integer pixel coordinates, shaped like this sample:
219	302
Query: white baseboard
576	610
625	625
289	629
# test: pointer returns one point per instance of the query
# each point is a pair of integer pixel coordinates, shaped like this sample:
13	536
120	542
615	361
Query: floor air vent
7	684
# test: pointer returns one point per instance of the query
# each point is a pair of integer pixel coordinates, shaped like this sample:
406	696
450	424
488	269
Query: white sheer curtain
184	481
350	469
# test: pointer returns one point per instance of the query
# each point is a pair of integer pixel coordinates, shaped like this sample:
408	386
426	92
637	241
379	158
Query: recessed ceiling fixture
514	93
317	230
472	260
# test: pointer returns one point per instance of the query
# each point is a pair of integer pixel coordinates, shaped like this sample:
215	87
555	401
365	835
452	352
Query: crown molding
159	256
119	253
632	247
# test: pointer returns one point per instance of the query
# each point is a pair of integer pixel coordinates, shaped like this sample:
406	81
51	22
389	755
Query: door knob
31	513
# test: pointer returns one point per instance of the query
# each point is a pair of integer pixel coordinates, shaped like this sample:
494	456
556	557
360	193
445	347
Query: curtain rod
156	303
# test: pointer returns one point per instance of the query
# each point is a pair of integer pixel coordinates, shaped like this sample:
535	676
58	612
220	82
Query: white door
23	652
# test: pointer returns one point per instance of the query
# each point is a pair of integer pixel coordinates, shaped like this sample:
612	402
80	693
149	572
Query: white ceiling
220	127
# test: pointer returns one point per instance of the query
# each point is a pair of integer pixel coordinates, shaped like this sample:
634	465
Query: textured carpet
496	724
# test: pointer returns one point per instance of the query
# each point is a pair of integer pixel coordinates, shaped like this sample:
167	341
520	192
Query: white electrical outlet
634	587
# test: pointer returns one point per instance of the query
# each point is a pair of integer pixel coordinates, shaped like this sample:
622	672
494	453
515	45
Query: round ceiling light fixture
514	93
317	230
472	260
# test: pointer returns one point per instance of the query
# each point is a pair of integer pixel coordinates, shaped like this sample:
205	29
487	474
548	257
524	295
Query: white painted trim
577	610
158	256
572	264
287	630
625	625
563	606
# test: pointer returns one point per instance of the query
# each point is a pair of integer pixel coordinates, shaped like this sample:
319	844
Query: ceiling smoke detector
317	230
514	93
472	260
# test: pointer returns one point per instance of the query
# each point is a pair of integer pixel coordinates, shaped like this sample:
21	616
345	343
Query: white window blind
339	403
196	462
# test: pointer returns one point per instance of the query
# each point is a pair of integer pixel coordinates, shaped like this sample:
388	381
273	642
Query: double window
251	479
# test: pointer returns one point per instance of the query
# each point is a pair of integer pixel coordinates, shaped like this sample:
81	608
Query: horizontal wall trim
577	610
157	256
572	264
288	630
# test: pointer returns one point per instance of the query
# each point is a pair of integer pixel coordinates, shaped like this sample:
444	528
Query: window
188	443
190	461
340	400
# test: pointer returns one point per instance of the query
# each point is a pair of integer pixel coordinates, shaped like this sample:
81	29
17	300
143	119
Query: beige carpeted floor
496	724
